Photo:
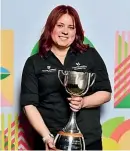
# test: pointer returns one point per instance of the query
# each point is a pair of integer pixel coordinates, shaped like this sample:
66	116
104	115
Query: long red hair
45	41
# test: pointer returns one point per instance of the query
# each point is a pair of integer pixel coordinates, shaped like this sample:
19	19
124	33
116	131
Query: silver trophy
76	84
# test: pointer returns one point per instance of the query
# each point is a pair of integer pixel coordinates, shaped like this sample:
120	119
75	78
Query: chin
63	45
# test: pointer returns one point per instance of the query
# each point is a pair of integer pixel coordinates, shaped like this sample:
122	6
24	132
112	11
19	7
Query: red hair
45	41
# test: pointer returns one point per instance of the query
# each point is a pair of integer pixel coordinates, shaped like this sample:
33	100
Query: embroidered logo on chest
49	69
79	66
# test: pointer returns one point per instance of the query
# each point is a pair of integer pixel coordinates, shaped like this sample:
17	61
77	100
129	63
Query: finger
75	99
74	109
46	146
69	99
77	107
75	103
51	145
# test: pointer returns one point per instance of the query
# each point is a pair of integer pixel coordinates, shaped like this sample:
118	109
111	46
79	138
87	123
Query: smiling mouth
61	37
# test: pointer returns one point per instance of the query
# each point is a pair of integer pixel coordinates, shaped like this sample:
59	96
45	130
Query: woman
44	98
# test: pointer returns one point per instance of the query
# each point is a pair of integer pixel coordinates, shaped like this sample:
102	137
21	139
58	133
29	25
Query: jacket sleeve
29	85
102	82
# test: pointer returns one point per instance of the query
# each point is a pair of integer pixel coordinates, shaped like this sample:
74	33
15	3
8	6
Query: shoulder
32	62
94	54
91	51
96	59
33	59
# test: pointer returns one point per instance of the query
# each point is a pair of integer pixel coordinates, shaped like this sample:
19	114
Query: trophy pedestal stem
70	138
72	126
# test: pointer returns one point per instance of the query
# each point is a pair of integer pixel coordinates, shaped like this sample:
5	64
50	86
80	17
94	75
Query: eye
60	25
71	27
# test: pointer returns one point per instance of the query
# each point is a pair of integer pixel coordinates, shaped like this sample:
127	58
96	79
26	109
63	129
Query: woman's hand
76	103
49	144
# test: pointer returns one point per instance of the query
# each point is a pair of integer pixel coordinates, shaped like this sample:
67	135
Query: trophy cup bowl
76	84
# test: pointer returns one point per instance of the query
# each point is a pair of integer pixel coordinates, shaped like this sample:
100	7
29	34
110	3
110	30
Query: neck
59	51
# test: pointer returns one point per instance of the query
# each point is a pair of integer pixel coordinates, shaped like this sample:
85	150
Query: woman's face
64	31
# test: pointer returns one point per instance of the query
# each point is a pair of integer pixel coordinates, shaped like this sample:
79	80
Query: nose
65	31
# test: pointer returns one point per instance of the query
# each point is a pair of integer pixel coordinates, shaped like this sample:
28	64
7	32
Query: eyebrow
63	24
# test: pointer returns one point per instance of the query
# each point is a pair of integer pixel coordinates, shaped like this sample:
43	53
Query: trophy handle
64	73
93	75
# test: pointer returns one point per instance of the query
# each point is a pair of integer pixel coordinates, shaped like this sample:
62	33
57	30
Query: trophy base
69	141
